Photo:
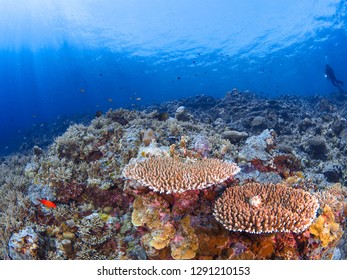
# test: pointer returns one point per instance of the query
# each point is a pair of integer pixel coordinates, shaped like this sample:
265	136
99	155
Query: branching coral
174	175
93	230
14	211
258	208
82	143
335	197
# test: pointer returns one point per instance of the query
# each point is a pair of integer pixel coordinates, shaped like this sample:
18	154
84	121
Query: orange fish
48	203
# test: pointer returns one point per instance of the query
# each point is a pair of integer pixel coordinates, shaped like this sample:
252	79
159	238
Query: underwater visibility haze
99	97
61	58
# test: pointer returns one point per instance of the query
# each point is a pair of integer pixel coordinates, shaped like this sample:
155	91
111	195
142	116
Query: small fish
138	98
110	100
47	203
82	90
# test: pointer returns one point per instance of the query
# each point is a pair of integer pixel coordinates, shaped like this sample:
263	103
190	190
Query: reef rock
202	145
182	114
257	146
185	243
25	245
259	122
234	136
316	147
332	172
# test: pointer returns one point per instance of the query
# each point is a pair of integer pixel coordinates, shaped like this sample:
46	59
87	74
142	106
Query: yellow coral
185	243
325	228
104	217
147	212
137	215
162	237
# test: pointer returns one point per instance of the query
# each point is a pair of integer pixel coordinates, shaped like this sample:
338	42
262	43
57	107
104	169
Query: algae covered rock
25	245
185	243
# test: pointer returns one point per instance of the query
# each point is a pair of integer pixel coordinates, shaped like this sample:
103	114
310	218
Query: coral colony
250	178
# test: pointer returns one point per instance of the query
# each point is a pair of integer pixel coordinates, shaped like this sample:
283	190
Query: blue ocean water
60	58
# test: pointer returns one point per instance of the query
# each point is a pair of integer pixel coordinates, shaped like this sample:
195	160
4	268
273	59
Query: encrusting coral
152	211
264	208
175	175
325	228
185	243
163	235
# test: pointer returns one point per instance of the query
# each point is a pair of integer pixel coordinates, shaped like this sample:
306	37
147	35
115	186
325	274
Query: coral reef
180	179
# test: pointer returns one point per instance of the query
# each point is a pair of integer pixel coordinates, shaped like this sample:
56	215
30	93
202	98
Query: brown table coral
175	175
258	208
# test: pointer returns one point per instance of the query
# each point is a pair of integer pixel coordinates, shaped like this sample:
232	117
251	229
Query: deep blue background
61	58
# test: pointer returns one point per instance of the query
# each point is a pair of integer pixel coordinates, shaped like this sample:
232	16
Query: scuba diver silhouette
329	73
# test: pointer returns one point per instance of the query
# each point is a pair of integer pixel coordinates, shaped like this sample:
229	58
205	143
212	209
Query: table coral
257	208
171	175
